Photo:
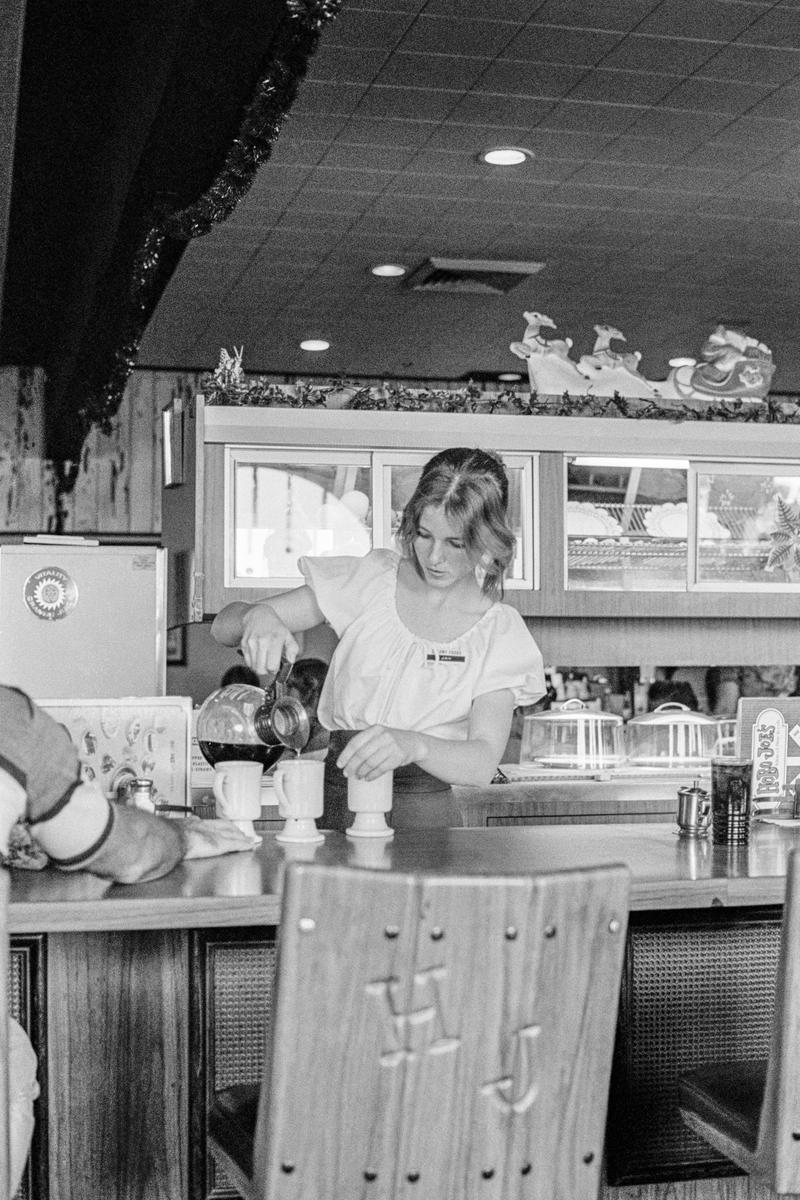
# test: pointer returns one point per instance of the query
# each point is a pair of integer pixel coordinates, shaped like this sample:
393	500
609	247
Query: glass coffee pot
242	721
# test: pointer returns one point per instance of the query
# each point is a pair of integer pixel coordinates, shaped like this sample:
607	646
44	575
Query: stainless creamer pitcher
694	811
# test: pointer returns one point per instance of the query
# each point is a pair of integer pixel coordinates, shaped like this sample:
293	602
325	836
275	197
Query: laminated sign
768	731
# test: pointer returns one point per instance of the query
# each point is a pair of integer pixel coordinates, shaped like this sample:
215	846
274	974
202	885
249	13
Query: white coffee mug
237	790
299	788
370	800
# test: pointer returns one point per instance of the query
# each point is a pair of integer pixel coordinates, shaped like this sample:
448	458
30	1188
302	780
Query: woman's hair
471	487
240	673
675	691
306	679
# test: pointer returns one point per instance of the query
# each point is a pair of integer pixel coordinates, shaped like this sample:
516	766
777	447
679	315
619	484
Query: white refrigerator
78	619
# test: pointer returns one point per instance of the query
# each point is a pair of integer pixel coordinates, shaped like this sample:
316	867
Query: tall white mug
370	800
299	788
237	791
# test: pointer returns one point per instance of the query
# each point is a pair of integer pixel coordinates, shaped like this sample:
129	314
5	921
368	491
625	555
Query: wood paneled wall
118	489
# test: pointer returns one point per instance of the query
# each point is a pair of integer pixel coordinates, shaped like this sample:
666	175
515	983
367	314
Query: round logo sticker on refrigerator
50	593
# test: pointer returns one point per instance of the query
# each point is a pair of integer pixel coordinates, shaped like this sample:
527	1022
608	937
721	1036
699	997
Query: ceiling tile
760	135
371	158
783	103
423	104
358	180
374	26
710	19
384	131
754	64
512	10
327	98
674	56
609	119
621	16
646	149
340	64
663	122
624	87
491	108
449	71
780	26
716	95
529	78
557	44
441	35
614	174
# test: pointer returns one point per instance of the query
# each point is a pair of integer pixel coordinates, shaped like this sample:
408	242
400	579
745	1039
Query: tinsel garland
391	397
262	119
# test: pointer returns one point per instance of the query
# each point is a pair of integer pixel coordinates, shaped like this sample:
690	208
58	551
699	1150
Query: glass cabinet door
626	524
281	504
397	473
747	534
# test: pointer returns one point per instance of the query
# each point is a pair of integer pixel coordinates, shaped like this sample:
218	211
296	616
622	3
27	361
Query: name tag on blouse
440	658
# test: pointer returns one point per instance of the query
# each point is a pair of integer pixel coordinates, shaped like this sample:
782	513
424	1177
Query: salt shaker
140	794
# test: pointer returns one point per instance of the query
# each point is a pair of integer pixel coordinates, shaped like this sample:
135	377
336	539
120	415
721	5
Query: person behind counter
429	663
79	829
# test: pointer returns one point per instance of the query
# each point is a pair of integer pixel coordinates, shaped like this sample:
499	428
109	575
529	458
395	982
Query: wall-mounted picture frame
176	646
172	443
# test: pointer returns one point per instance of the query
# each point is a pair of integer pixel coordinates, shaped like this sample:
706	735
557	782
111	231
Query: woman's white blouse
383	674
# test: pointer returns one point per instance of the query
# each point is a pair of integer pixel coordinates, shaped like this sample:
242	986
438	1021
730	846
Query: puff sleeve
512	660
344	586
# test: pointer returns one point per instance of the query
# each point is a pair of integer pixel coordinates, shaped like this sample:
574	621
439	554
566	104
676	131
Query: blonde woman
430	663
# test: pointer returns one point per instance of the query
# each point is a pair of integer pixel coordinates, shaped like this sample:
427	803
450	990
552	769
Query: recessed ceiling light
315	344
389	270
505	156
509	376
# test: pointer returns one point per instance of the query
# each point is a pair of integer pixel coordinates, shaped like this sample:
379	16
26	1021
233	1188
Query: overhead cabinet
604	525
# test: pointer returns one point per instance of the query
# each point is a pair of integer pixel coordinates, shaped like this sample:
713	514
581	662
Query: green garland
221	388
286	64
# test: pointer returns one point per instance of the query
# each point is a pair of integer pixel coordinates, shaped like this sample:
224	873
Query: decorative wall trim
347	394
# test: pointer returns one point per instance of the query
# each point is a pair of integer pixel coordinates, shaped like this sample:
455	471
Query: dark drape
140	124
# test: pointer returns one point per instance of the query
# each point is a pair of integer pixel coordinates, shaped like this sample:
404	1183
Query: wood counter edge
84	916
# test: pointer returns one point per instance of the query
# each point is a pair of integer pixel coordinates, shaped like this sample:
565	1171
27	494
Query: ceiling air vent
479	275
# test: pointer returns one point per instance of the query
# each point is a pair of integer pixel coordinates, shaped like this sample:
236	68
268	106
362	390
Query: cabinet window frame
626	462
709	466
236	455
378	463
528	464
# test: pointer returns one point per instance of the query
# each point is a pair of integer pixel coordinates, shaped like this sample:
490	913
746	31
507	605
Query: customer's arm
73	822
264	630
126	844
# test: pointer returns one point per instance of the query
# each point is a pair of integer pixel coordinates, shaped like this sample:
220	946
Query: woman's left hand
374	751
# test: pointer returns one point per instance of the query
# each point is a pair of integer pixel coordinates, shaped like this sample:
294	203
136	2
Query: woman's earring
481	568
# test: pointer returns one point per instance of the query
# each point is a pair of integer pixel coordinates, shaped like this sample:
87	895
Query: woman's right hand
266	640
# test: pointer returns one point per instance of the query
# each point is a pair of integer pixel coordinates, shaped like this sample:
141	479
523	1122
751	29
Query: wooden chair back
778	1148
441	1038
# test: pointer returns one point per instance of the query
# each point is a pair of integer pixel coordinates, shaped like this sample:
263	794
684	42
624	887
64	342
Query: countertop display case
627	520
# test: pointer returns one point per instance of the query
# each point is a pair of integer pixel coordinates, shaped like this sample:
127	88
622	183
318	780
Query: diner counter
668	873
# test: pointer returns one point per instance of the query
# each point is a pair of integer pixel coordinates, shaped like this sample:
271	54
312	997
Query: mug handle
219	786
283	799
